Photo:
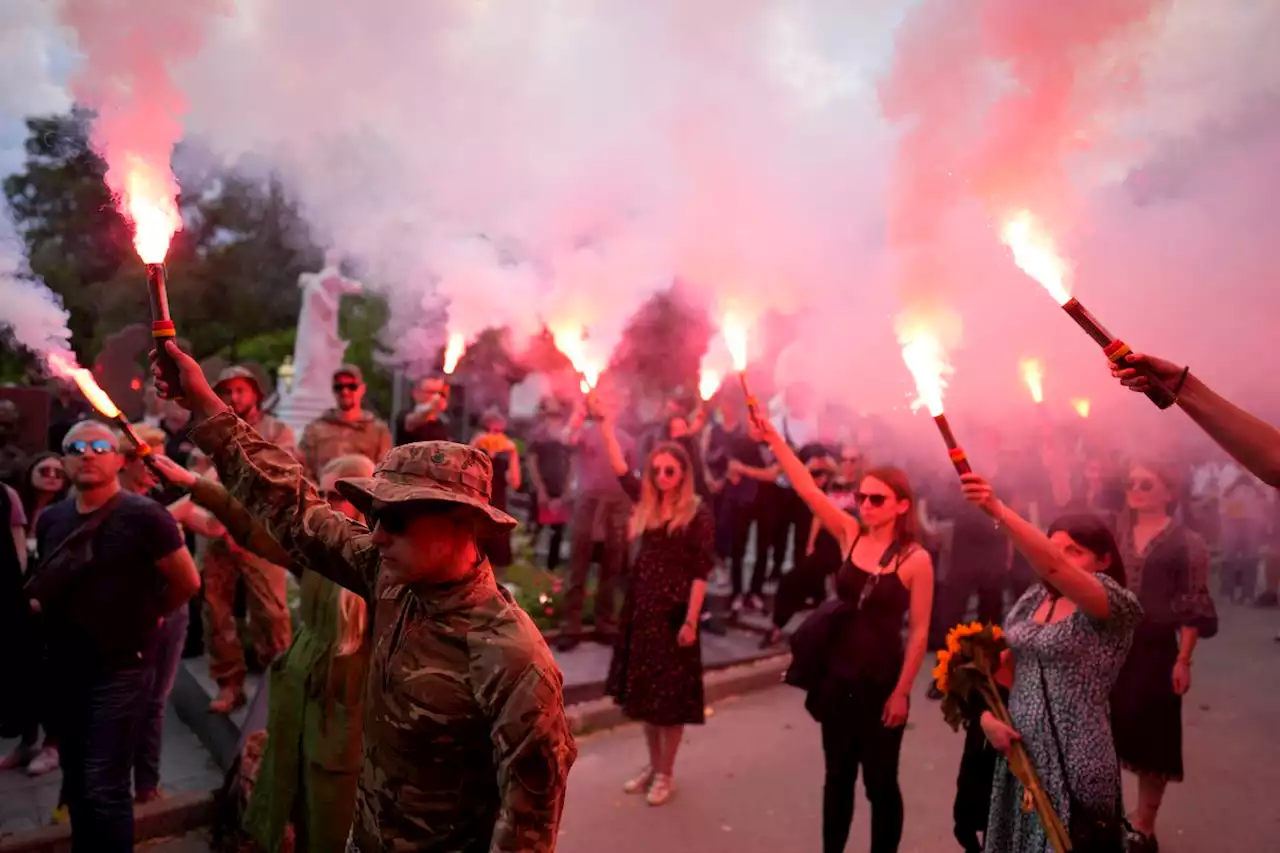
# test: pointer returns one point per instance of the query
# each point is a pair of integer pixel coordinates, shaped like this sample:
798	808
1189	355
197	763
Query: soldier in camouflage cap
466	743
225	564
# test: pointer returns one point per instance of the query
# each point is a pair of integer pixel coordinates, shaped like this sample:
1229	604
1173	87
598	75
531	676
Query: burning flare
453	352
927	361
148	197
89	387
1082	406
1033	375
708	384
1035	254
734	331
573	343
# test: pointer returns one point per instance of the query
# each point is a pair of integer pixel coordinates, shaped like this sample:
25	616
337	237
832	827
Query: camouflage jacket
277	432
329	436
466	743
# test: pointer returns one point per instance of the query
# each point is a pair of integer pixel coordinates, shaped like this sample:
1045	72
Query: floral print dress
1080	658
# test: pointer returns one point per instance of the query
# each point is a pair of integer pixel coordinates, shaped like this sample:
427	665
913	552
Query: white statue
318	349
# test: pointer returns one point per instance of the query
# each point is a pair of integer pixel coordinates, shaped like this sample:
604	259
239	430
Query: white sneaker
661	790
640	783
46	762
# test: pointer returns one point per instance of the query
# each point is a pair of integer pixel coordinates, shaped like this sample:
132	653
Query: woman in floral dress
656	671
1168	569
1069	636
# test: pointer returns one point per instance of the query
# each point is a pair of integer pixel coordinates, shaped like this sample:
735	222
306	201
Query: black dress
651	677
1171	580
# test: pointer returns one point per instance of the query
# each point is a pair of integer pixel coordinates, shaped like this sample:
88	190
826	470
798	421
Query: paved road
750	781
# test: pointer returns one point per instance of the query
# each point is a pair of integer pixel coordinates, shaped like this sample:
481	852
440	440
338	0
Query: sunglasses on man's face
1142	485
664	471
395	518
339	387
98	447
876	501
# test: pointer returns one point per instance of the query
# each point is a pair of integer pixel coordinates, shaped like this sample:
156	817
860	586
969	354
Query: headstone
318	349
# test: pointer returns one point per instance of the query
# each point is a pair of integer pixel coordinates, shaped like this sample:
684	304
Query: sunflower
942	670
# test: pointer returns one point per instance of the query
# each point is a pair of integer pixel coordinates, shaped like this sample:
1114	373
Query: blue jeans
102	714
168	657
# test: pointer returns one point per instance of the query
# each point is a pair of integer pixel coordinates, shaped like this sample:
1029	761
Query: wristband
1186	371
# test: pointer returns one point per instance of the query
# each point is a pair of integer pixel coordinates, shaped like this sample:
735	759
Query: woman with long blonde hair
656	671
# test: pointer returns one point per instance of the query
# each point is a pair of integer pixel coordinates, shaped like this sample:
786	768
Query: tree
233	269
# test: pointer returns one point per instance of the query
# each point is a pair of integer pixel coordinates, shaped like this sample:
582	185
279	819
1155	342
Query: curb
177	814
603	714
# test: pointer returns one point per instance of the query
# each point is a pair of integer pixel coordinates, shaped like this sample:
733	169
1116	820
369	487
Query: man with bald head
112	565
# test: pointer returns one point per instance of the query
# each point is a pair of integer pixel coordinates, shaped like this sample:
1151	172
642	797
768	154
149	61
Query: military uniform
329	436
466	743
224	564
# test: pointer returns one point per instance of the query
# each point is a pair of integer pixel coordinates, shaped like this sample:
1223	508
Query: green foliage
233	270
360	321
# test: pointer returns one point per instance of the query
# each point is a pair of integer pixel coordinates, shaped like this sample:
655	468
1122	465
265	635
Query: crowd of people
414	705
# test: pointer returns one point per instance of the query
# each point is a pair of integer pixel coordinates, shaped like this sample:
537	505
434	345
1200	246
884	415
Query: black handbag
1091	830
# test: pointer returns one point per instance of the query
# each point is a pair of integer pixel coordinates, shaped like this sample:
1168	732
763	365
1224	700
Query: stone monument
317	350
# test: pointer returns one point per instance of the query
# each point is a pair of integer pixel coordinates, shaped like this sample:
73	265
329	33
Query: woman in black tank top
864	698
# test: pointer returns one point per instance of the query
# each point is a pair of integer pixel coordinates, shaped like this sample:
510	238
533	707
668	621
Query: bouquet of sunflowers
968	672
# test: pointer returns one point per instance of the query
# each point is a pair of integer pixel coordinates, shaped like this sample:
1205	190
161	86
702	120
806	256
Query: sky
561	160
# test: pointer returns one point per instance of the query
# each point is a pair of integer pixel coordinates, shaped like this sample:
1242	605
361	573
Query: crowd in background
781	500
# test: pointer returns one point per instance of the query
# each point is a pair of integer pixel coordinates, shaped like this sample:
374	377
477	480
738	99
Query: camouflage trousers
269	623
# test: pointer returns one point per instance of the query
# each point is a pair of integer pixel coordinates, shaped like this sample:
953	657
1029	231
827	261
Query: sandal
661	790
640	784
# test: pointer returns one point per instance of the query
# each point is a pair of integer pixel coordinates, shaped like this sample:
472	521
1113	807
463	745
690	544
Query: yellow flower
941	671
996	632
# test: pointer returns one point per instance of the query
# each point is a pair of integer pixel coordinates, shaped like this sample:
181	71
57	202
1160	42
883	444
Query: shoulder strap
87	527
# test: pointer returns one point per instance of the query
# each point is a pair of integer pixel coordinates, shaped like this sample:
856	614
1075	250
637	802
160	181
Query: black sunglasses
339	387
332	496
51	471
395	518
1142	485
99	447
664	470
876	501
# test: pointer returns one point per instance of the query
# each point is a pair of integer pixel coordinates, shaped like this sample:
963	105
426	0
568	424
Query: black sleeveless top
868	644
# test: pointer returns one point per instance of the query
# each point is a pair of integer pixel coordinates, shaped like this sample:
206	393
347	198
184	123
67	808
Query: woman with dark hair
863	699
44	483
1167	567
1068	636
656	671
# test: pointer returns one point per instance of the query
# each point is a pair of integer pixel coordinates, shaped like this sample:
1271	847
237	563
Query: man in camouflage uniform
226	563
345	429
466	745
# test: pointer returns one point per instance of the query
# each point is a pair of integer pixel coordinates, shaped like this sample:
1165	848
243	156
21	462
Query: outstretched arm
1252	442
839	523
1048	561
273	487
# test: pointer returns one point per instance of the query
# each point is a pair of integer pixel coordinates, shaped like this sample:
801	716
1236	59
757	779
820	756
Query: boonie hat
430	471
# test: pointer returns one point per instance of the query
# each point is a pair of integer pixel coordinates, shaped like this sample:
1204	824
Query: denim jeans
102	714
168	657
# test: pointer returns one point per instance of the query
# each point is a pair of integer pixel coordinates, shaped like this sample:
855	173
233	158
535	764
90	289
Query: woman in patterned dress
1168	569
1069	635
656	671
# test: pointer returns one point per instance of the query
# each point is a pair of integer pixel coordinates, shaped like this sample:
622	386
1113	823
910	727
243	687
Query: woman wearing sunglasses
656	671
1068	635
44	484
884	577
1167	567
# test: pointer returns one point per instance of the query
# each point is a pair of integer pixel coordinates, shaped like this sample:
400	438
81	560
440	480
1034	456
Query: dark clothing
853	737
1171	581
979	565
498	547
651	676
108	617
609	514
100	717
783	517
437	429
19	643
63	416
168	656
554	459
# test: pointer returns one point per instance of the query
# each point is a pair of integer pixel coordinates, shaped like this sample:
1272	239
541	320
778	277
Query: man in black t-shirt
426	421
102	606
550	465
